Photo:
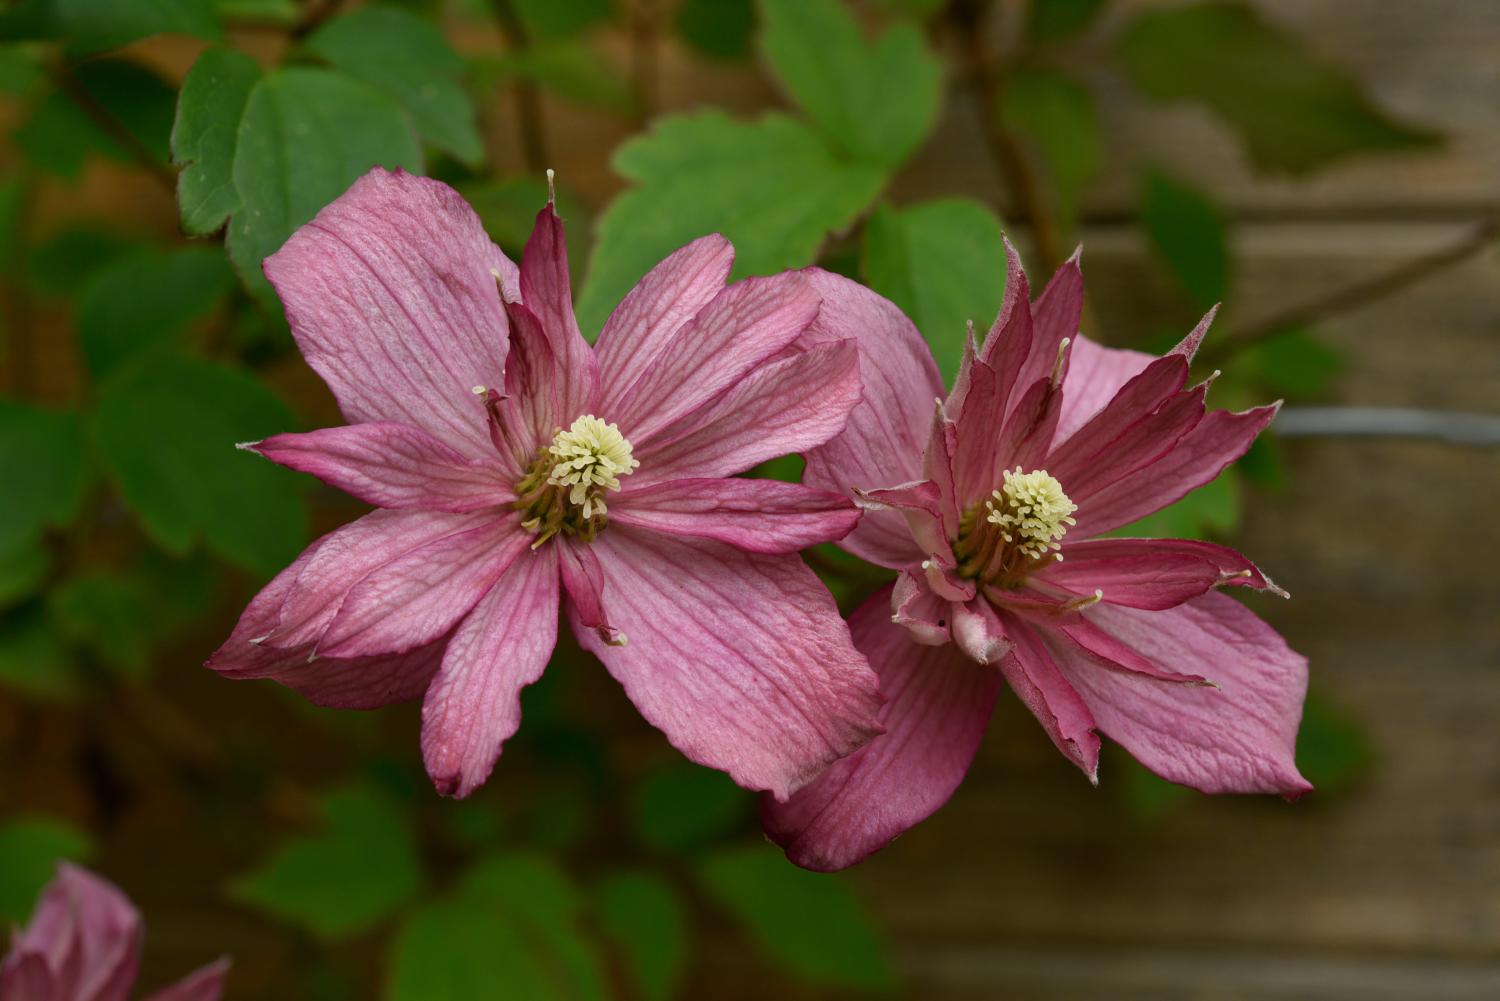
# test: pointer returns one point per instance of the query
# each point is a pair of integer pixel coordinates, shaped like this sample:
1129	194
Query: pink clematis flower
84	944
600	477
993	510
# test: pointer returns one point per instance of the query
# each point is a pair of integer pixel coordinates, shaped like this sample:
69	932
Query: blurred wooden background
1030	884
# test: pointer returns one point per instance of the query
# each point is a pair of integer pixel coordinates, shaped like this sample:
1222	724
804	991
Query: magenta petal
939	704
474	703
548	294
978	408
792	404
742	326
1138	398
761	516
1139	445
1054	316
583	580
390	295
417	597
1036	678
649	317
204	984
1095	375
1201	454
741	659
888	429
90	935
925	615
1009	341
26	975
1239	736
1150	573
391	466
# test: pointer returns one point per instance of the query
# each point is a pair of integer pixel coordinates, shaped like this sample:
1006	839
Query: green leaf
544	19
943	263
406	57
146	302
1333	750
33	659
205	134
23	568
1294	365
570	68
1294	112
30	848
48	472
20	70
1188	232
360	870
1056	113
111	615
1057	20
72	257
307	134
810	923
95	25
167	433
681	808
877	100
773	187
718	28
645	919
59	135
1211	510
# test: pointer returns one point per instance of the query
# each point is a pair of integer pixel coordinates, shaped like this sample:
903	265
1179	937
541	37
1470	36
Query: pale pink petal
547	292
392	466
742	326
109	934
474	703
792	404
1150	573
976	631
26	976
1095	374
938	705
761	516
888	429
417	597
649	317
1239	736
920	611
1202	454
1108	652
390	296
741	659
921	505
584	583
1035	677
204	984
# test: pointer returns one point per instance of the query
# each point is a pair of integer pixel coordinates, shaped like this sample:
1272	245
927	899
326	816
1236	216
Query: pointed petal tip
249	446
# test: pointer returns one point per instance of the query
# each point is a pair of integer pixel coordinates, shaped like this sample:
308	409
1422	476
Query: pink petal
741	659
761	516
742	326
1029	430
647	320
1150	573
1237	737
537	391
1199	456
921	612
1009	341
939	704
1139	445
791	404
583	580
920	504
1103	649
1095	375
888	429
1054	316
96	920
976	630
26	976
978	419
474	704
204	984
547	292
417	597
390	296
1139	397
1035	676
392	466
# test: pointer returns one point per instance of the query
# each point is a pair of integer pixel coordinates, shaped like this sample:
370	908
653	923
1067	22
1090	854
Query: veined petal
392	466
390	296
1095	374
979	421
1200	455
887	431
548	293
920	504
919	610
792	404
1150	573
741	327
1034	675
106	933
474	703
583	581
647	320
1141	444
1054	316
761	516
1238	736
203	984
741	659
1009	341
418	596
1140	396
938	705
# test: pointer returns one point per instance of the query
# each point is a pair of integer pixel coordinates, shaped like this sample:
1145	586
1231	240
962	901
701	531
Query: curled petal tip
249	446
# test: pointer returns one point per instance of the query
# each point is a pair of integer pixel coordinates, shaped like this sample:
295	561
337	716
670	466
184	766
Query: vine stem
1357	295
70	85
532	127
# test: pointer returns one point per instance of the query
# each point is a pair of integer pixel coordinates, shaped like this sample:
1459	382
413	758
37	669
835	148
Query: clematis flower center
1018	528
563	491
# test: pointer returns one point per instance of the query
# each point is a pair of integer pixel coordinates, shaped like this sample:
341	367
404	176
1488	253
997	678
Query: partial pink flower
84	944
992	505
516	468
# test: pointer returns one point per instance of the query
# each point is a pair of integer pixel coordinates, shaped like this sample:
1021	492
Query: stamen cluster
1017	527
563	491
